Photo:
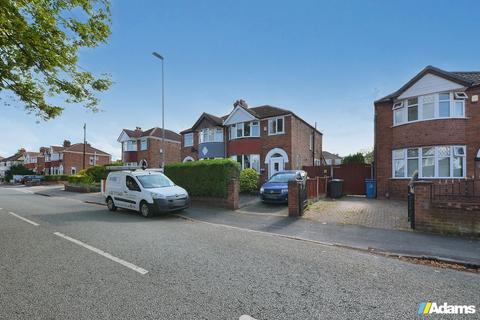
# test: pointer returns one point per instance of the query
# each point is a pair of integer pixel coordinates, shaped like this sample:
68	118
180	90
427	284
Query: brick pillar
233	194
422	203
293	209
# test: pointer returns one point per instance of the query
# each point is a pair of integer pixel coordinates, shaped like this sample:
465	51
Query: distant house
7	162
144	148
68	159
331	159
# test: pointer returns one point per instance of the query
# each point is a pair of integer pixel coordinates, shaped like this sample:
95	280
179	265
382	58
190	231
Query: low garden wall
209	182
453	216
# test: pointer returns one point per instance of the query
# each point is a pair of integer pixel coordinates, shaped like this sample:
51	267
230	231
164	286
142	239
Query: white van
145	191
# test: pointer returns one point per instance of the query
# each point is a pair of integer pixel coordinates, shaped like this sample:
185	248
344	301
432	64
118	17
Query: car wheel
145	210
111	205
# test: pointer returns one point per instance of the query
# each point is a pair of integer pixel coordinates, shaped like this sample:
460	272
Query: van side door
132	193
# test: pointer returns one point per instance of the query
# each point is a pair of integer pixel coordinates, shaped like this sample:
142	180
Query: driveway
251	204
373	213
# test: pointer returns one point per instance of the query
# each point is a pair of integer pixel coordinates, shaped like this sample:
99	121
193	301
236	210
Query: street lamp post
159	56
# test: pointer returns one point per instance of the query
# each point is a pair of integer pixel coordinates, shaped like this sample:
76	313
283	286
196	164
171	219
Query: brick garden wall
448	217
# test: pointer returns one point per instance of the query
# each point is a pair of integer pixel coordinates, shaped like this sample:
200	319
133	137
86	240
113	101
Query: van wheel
111	205
145	210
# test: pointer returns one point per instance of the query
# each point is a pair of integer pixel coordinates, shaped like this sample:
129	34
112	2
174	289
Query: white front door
275	165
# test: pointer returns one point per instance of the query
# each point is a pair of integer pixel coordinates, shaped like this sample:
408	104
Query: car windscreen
151	181
282	177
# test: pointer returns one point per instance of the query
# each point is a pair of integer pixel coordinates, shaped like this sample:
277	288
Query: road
64	259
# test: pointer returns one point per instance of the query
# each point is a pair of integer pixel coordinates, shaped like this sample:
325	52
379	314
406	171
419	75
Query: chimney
67	143
22	151
240	103
138	129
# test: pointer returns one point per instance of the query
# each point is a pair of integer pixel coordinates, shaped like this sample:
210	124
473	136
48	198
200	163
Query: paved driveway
384	214
253	205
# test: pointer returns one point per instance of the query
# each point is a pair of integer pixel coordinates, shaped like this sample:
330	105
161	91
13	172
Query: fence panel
353	175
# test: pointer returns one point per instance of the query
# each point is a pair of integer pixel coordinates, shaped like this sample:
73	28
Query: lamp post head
158	55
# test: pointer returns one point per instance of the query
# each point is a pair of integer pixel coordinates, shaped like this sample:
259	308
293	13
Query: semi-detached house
266	138
429	126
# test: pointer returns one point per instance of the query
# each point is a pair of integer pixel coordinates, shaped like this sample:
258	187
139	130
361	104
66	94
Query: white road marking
24	219
246	317
103	253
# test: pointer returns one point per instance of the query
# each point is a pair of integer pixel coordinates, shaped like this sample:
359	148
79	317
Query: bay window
143	144
211	135
441	105
430	162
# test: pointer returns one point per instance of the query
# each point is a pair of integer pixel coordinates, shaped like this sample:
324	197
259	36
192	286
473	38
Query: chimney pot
67	143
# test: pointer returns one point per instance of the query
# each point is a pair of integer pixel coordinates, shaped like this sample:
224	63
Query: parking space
251	204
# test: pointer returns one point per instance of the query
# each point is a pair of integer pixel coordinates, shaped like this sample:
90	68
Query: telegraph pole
84	143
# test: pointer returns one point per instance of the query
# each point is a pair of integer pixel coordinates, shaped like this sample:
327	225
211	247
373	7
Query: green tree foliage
39	44
368	155
248	180
17	170
354	158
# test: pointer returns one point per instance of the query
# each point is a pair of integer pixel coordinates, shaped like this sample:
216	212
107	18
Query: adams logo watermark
430	307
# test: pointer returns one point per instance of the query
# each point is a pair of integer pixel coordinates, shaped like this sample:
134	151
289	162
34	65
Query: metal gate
411	206
302	198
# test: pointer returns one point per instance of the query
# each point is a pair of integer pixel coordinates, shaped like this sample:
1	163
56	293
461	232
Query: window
188	139
143	144
245	129
399	163
430	162
93	160
131	184
73	170
131	145
428	107
275	126
412	161
218	135
211	135
444	105
248	161
412	106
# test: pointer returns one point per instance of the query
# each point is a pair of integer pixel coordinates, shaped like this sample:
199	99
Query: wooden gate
353	175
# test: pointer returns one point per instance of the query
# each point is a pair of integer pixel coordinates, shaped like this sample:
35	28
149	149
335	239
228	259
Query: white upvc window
73	170
131	145
188	139
276	126
245	130
248	161
427	107
143	144
429	162
211	135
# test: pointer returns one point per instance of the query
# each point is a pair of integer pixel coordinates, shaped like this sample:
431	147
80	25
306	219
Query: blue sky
326	61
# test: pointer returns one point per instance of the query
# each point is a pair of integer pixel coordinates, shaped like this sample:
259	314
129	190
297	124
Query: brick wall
448	217
189	151
423	133
302	155
232	201
75	160
153	155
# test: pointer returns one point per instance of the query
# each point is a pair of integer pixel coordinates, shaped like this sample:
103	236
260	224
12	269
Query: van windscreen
151	181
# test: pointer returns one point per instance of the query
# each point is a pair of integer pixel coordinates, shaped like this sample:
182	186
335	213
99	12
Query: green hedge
80	179
248	180
56	177
205	178
96	173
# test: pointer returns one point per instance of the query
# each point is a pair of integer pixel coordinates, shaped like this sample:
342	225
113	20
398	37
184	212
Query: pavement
66	259
389	242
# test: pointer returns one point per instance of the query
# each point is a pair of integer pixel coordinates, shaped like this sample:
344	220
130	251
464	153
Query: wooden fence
353	175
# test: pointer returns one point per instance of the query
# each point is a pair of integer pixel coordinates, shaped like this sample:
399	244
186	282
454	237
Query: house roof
78	147
214	119
153	132
57	148
15	157
328	155
32	153
465	78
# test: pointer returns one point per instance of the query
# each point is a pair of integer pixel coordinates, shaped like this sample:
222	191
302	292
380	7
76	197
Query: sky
327	61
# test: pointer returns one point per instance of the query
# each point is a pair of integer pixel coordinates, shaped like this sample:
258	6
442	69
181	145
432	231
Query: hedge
205	178
80	179
56	177
248	180
96	173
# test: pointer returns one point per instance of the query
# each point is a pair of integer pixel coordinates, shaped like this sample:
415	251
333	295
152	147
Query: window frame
142	146
254	126
275	120
185	135
454	154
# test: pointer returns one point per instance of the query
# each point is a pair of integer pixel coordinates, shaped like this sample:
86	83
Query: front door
275	165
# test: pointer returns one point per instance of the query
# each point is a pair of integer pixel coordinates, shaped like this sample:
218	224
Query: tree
39	44
354	158
368	155
17	170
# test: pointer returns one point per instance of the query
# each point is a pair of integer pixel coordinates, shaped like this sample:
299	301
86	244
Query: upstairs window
444	105
398	112
143	144
412	105
131	145
188	139
211	135
276	126
245	130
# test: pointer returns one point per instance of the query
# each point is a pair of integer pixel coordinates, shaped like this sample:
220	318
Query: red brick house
144	148
68	159
266	138
430	126
34	161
